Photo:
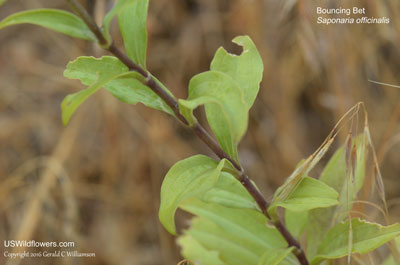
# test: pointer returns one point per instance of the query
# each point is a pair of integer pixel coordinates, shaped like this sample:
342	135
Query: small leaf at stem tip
133	27
186	179
54	19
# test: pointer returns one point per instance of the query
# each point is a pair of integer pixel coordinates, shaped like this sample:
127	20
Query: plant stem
197	128
88	19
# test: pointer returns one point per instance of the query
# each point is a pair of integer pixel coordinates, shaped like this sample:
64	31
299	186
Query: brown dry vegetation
97	181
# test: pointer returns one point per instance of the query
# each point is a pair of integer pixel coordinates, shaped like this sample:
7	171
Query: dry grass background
97	181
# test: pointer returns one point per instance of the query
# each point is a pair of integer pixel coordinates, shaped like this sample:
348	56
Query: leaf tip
65	115
167	220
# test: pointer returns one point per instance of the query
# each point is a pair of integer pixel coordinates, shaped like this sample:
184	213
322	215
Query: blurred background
97	181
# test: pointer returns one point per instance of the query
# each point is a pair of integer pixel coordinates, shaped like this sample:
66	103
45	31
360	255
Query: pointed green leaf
196	253
132	23
88	69
309	194
73	101
57	20
187	178
275	256
300	172
246	69
240	236
117	8
129	90
366	237
225	108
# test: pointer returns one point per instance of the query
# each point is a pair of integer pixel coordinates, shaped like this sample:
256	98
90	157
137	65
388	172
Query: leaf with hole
246	69
226	110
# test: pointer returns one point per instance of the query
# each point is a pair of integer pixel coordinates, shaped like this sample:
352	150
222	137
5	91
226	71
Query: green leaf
128	90
57	20
230	193
246	69
366	237
240	236
187	178
275	256
390	260
296	222
361	157
73	101
300	172
226	110
232	249
117	8
334	172
2	2
196	253
132	24
309	194
334	175
227	91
